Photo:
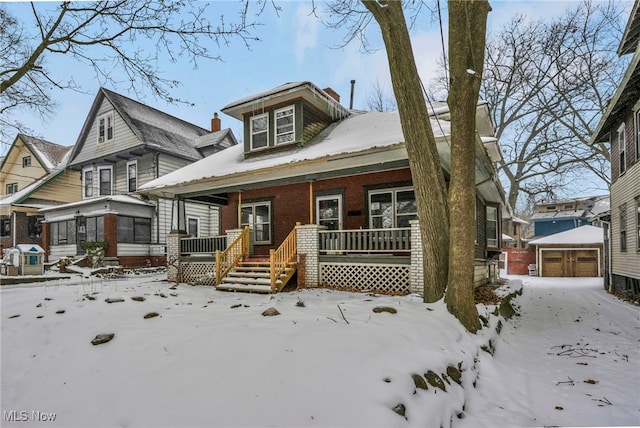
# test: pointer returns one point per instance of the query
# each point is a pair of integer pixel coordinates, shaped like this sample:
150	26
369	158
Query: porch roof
363	142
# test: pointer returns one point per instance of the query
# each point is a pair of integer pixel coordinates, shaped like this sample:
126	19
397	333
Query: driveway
572	358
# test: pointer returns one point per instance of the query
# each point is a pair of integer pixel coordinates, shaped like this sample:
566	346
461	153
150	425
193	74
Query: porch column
111	234
416	278
178	216
174	273
45	239
308	243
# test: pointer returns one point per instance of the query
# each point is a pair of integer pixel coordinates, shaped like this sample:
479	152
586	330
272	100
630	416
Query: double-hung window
105	177
11	188
623	228
622	149
87	182
285	125
492	227
258	217
636	115
391	208
193	226
259	130
638	223
105	127
132	176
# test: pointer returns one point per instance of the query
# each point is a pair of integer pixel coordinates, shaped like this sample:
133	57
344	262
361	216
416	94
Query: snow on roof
358	132
11	199
559	214
579	235
601	206
51	155
116	198
506	237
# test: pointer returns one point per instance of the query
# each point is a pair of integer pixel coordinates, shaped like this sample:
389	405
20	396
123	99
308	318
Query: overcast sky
293	46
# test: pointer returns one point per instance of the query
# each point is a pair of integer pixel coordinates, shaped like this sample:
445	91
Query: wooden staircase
256	275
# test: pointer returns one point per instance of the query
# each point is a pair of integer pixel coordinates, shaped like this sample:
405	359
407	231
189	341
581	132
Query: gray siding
168	163
123	137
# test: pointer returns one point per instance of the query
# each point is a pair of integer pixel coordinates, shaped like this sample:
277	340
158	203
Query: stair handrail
279	259
227	259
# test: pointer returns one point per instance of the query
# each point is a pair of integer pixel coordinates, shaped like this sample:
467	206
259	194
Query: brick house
342	176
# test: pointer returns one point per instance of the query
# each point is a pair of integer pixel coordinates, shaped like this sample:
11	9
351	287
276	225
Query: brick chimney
215	123
333	94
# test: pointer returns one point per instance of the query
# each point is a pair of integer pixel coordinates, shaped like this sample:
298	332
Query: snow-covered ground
328	360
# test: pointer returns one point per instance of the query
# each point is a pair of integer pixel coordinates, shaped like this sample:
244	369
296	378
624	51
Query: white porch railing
397	240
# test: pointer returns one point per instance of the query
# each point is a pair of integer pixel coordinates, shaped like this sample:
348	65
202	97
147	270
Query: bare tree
467	30
547	84
108	37
379	100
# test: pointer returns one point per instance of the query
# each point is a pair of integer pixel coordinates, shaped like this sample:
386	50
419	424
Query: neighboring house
576	252
344	177
559	215
124	144
32	176
620	126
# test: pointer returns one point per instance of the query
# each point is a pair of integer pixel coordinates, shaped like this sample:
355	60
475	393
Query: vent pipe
353	84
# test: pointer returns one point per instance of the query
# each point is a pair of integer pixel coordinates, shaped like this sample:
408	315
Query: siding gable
12	170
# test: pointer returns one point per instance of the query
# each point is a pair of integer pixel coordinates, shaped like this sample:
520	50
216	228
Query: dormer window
285	125
259	131
105	127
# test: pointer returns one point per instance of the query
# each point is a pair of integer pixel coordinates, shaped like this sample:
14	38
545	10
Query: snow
580	235
212	359
359	132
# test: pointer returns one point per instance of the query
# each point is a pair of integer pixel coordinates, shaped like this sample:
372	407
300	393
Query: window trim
26	161
84	183
105	138
486	220
102	168
394	202
623	227
135	164
197	219
327	197
11	188
622	149
253	205
293	125
251	133
636	115
135	239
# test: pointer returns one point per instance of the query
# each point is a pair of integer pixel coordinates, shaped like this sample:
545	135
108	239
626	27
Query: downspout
157	174
15	231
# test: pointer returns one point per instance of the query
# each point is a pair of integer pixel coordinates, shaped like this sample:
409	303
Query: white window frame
251	133
135	164
197	219
105	137
26	161
340	208
394	202
99	187
624	221
496	238
11	188
292	132
269	223
84	183
622	149
636	115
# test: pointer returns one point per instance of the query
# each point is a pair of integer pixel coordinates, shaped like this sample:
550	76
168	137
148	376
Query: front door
329	211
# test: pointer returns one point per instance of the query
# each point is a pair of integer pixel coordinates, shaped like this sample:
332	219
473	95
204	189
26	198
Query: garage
574	253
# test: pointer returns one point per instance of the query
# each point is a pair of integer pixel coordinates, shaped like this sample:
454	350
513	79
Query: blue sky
293	46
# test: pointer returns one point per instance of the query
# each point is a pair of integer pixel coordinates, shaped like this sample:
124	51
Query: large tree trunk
428	179
467	28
